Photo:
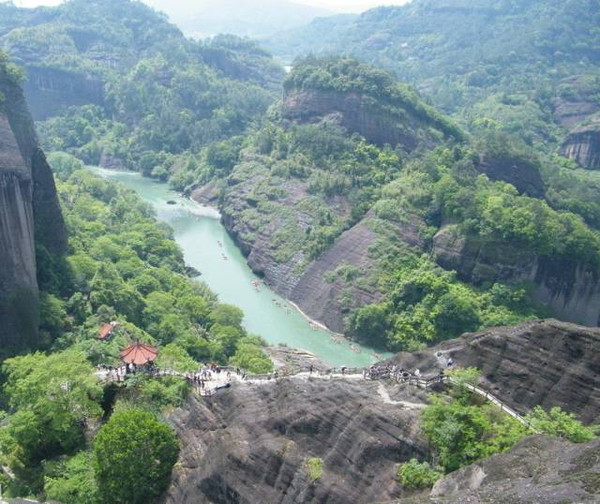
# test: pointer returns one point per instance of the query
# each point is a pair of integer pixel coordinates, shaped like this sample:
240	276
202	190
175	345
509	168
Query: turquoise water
205	244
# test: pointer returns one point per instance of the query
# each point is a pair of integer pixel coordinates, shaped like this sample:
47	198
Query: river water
206	244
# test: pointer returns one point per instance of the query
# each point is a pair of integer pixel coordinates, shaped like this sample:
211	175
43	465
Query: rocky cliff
583	144
29	215
539	469
319	287
545	362
251	444
571	290
49	91
357	113
577	110
521	173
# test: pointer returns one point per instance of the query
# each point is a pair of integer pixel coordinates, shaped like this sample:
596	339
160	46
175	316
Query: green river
206	244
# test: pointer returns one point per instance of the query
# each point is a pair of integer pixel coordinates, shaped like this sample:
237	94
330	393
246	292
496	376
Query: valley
370	275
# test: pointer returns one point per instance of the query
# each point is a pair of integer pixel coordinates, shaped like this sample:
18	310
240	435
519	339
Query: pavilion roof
139	353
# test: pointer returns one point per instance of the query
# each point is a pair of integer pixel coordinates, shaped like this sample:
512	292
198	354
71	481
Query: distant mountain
495	64
252	18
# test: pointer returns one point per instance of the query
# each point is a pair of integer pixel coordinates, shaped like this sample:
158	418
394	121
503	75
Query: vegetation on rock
415	475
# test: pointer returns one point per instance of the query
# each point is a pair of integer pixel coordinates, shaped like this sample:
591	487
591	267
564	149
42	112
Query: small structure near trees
107	330
139	354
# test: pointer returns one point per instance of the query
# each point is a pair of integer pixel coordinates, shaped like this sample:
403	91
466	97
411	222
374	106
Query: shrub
314	468
416	475
559	423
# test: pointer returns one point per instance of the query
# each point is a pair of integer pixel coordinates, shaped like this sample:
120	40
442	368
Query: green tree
414	475
134	454
557	422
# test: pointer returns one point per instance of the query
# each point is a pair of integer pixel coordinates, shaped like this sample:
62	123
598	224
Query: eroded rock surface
358	114
250	443
546	362
571	290
29	214
539	469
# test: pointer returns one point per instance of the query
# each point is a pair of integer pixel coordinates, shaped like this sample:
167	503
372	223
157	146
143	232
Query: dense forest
506	64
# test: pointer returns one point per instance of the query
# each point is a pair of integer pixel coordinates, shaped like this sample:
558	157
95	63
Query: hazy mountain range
254	18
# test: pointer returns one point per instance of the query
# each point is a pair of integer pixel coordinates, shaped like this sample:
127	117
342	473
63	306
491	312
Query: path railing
208	384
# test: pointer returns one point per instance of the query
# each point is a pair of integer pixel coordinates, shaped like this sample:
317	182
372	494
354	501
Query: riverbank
209	248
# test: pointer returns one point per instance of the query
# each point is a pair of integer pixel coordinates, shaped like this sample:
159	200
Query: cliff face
522	174
250	443
546	362
317	286
51	90
538	469
572	291
358	114
583	145
576	108
29	215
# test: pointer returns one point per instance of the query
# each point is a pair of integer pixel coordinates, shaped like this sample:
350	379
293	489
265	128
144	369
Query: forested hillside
120	86
494	64
352	159
339	225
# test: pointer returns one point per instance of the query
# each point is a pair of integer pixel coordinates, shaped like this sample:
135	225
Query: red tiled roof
105	331
139	353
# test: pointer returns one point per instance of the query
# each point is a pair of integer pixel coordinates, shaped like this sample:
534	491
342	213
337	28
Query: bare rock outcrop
539	469
522	173
250	444
546	362
29	214
358	114
571	290
576	108
583	144
50	91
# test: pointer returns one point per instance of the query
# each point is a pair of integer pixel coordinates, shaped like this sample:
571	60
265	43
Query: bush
314	468
416	475
72	482
134	454
559	423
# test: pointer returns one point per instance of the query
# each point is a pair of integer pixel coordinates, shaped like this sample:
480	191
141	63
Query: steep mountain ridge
327	220
30	216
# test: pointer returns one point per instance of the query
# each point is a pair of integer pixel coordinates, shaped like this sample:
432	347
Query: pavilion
139	354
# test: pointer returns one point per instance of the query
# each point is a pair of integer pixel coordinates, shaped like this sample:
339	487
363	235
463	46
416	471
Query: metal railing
208	389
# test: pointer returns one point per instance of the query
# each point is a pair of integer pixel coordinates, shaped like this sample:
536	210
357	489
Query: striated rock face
572	291
523	174
356	113
545	362
49	91
324	300
319	287
576	108
18	284
250	443
29	215
583	145
538	469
